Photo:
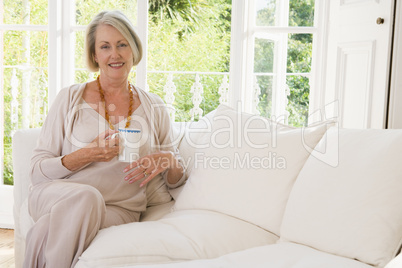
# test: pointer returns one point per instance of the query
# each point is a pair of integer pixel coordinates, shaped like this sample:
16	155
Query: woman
79	186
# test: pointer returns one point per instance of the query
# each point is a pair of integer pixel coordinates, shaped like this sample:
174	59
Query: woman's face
112	53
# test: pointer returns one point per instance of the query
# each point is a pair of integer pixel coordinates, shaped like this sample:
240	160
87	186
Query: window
282	58
277	40
23	71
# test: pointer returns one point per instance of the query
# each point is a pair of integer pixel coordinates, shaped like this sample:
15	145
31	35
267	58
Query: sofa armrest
24	142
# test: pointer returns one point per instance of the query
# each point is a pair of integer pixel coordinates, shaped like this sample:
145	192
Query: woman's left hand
147	167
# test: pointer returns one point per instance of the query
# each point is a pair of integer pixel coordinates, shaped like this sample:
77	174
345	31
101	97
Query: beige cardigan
71	124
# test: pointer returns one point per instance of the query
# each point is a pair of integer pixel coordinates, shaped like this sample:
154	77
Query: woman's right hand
104	148
101	149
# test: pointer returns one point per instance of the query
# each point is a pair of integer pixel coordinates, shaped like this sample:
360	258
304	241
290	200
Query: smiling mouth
116	65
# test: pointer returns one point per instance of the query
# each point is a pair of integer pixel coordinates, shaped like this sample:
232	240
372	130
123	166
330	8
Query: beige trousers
67	217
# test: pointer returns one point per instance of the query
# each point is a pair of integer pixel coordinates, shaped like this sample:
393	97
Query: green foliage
299	61
301	13
203	49
266	86
87	9
298	100
299	53
264	52
178	10
267	16
15	12
189	15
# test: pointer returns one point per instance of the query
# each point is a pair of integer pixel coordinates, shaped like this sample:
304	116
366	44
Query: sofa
259	194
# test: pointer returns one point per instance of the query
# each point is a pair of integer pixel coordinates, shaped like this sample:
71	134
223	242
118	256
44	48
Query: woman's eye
123	45
104	47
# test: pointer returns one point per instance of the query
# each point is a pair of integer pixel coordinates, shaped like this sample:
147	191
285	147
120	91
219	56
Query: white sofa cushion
192	139
281	255
248	168
354	209
179	236
395	263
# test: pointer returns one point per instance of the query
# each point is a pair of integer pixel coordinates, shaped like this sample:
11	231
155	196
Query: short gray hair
119	21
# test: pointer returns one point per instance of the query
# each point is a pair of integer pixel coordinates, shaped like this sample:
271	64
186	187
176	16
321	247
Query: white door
358	65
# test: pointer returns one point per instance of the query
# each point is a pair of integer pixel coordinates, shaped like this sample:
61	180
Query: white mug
129	144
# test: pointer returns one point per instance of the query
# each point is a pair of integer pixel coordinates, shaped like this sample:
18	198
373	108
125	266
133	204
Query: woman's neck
112	87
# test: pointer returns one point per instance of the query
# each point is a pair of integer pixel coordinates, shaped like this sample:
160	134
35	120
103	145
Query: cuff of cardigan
53	168
174	185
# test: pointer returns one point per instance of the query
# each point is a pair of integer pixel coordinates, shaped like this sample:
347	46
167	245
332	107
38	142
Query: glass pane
25	97
300	49
25	106
79	49
86	10
25	12
299	89
26	47
264	55
83	75
301	13
265	84
25	88
265	12
172	47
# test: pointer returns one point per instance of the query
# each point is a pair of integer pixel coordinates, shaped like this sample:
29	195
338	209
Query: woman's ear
95	58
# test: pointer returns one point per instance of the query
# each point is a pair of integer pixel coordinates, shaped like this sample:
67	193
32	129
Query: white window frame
244	32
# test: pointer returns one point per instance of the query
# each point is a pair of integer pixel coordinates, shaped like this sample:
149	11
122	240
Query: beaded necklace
130	109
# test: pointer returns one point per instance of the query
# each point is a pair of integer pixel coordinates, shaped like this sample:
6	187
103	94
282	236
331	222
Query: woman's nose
115	53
